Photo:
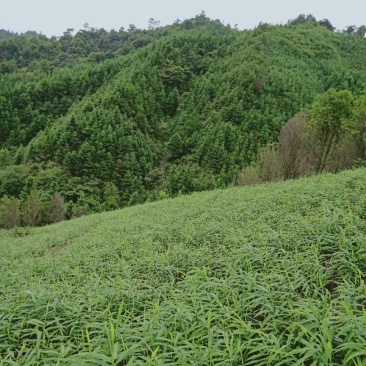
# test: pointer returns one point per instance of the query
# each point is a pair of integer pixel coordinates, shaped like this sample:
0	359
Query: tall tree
329	115
358	125
292	146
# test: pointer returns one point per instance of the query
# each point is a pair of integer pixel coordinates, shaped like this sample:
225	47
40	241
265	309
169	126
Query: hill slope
184	111
272	274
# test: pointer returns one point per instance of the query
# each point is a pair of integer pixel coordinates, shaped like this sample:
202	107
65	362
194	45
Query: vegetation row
266	275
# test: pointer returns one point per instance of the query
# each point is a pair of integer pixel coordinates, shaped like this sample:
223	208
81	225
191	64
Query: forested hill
101	120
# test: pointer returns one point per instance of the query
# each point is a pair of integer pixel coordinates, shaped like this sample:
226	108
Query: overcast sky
53	17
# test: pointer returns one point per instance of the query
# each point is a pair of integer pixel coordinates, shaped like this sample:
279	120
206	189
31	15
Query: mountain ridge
183	112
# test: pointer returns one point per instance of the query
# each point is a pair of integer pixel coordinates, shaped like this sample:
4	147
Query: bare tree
292	147
56	211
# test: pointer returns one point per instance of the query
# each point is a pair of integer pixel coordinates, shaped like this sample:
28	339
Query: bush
248	176
269	164
56	210
10	213
31	210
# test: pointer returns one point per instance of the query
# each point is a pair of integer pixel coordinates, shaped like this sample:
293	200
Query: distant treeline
100	120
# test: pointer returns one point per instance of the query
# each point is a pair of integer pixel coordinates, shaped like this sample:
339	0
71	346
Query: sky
51	17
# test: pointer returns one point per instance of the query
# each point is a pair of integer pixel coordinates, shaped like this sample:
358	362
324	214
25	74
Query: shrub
31	210
10	213
269	164
248	176
56	209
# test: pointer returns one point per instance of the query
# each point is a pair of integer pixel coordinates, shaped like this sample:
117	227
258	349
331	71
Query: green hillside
265	275
111	119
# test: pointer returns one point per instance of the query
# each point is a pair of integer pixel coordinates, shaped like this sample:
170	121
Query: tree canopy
109	119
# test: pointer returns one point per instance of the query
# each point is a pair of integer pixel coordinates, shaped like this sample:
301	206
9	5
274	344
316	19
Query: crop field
265	275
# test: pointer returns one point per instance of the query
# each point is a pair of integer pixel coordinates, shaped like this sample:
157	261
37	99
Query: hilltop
272	274
101	120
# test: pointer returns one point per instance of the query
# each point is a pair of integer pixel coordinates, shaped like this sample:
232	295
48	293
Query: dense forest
96	120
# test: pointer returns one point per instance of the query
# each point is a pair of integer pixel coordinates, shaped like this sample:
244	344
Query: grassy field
266	275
